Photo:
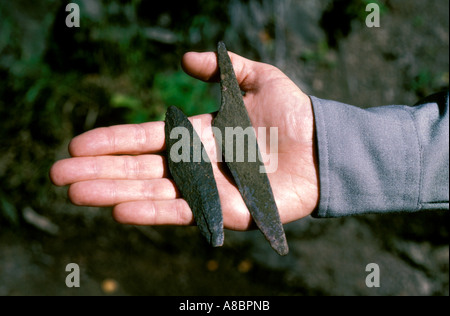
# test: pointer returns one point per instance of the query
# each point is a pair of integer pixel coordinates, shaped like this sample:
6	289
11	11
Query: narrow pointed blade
195	179
253	184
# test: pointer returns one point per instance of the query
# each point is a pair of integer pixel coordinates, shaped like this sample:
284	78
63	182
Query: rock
193	175
249	174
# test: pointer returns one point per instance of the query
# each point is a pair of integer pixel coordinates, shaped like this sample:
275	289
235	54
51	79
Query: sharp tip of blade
172	108
280	246
282	251
217	239
221	49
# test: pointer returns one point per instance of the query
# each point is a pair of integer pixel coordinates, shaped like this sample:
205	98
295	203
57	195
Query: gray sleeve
382	159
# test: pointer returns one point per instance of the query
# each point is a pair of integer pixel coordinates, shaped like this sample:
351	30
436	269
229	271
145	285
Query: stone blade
253	184
193	175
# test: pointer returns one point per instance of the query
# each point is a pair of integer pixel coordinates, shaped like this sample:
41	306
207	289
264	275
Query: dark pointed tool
193	175
253	184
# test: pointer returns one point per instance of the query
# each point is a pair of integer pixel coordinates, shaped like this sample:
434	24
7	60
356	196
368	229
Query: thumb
204	66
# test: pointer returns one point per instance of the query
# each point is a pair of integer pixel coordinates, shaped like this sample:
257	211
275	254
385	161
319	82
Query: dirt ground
404	59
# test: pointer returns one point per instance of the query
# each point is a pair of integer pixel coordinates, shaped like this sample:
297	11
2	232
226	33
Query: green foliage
322	55
187	93
426	83
136	111
169	88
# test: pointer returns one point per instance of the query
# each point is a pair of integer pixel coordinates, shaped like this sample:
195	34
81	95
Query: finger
204	66
113	192
142	138
168	212
120	139
77	169
178	212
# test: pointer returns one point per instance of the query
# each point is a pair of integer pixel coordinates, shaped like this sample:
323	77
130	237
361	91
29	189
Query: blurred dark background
122	65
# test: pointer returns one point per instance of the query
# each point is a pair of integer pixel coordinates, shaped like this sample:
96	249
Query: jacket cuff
369	159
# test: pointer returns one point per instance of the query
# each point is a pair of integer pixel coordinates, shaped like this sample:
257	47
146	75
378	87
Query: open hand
122	165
